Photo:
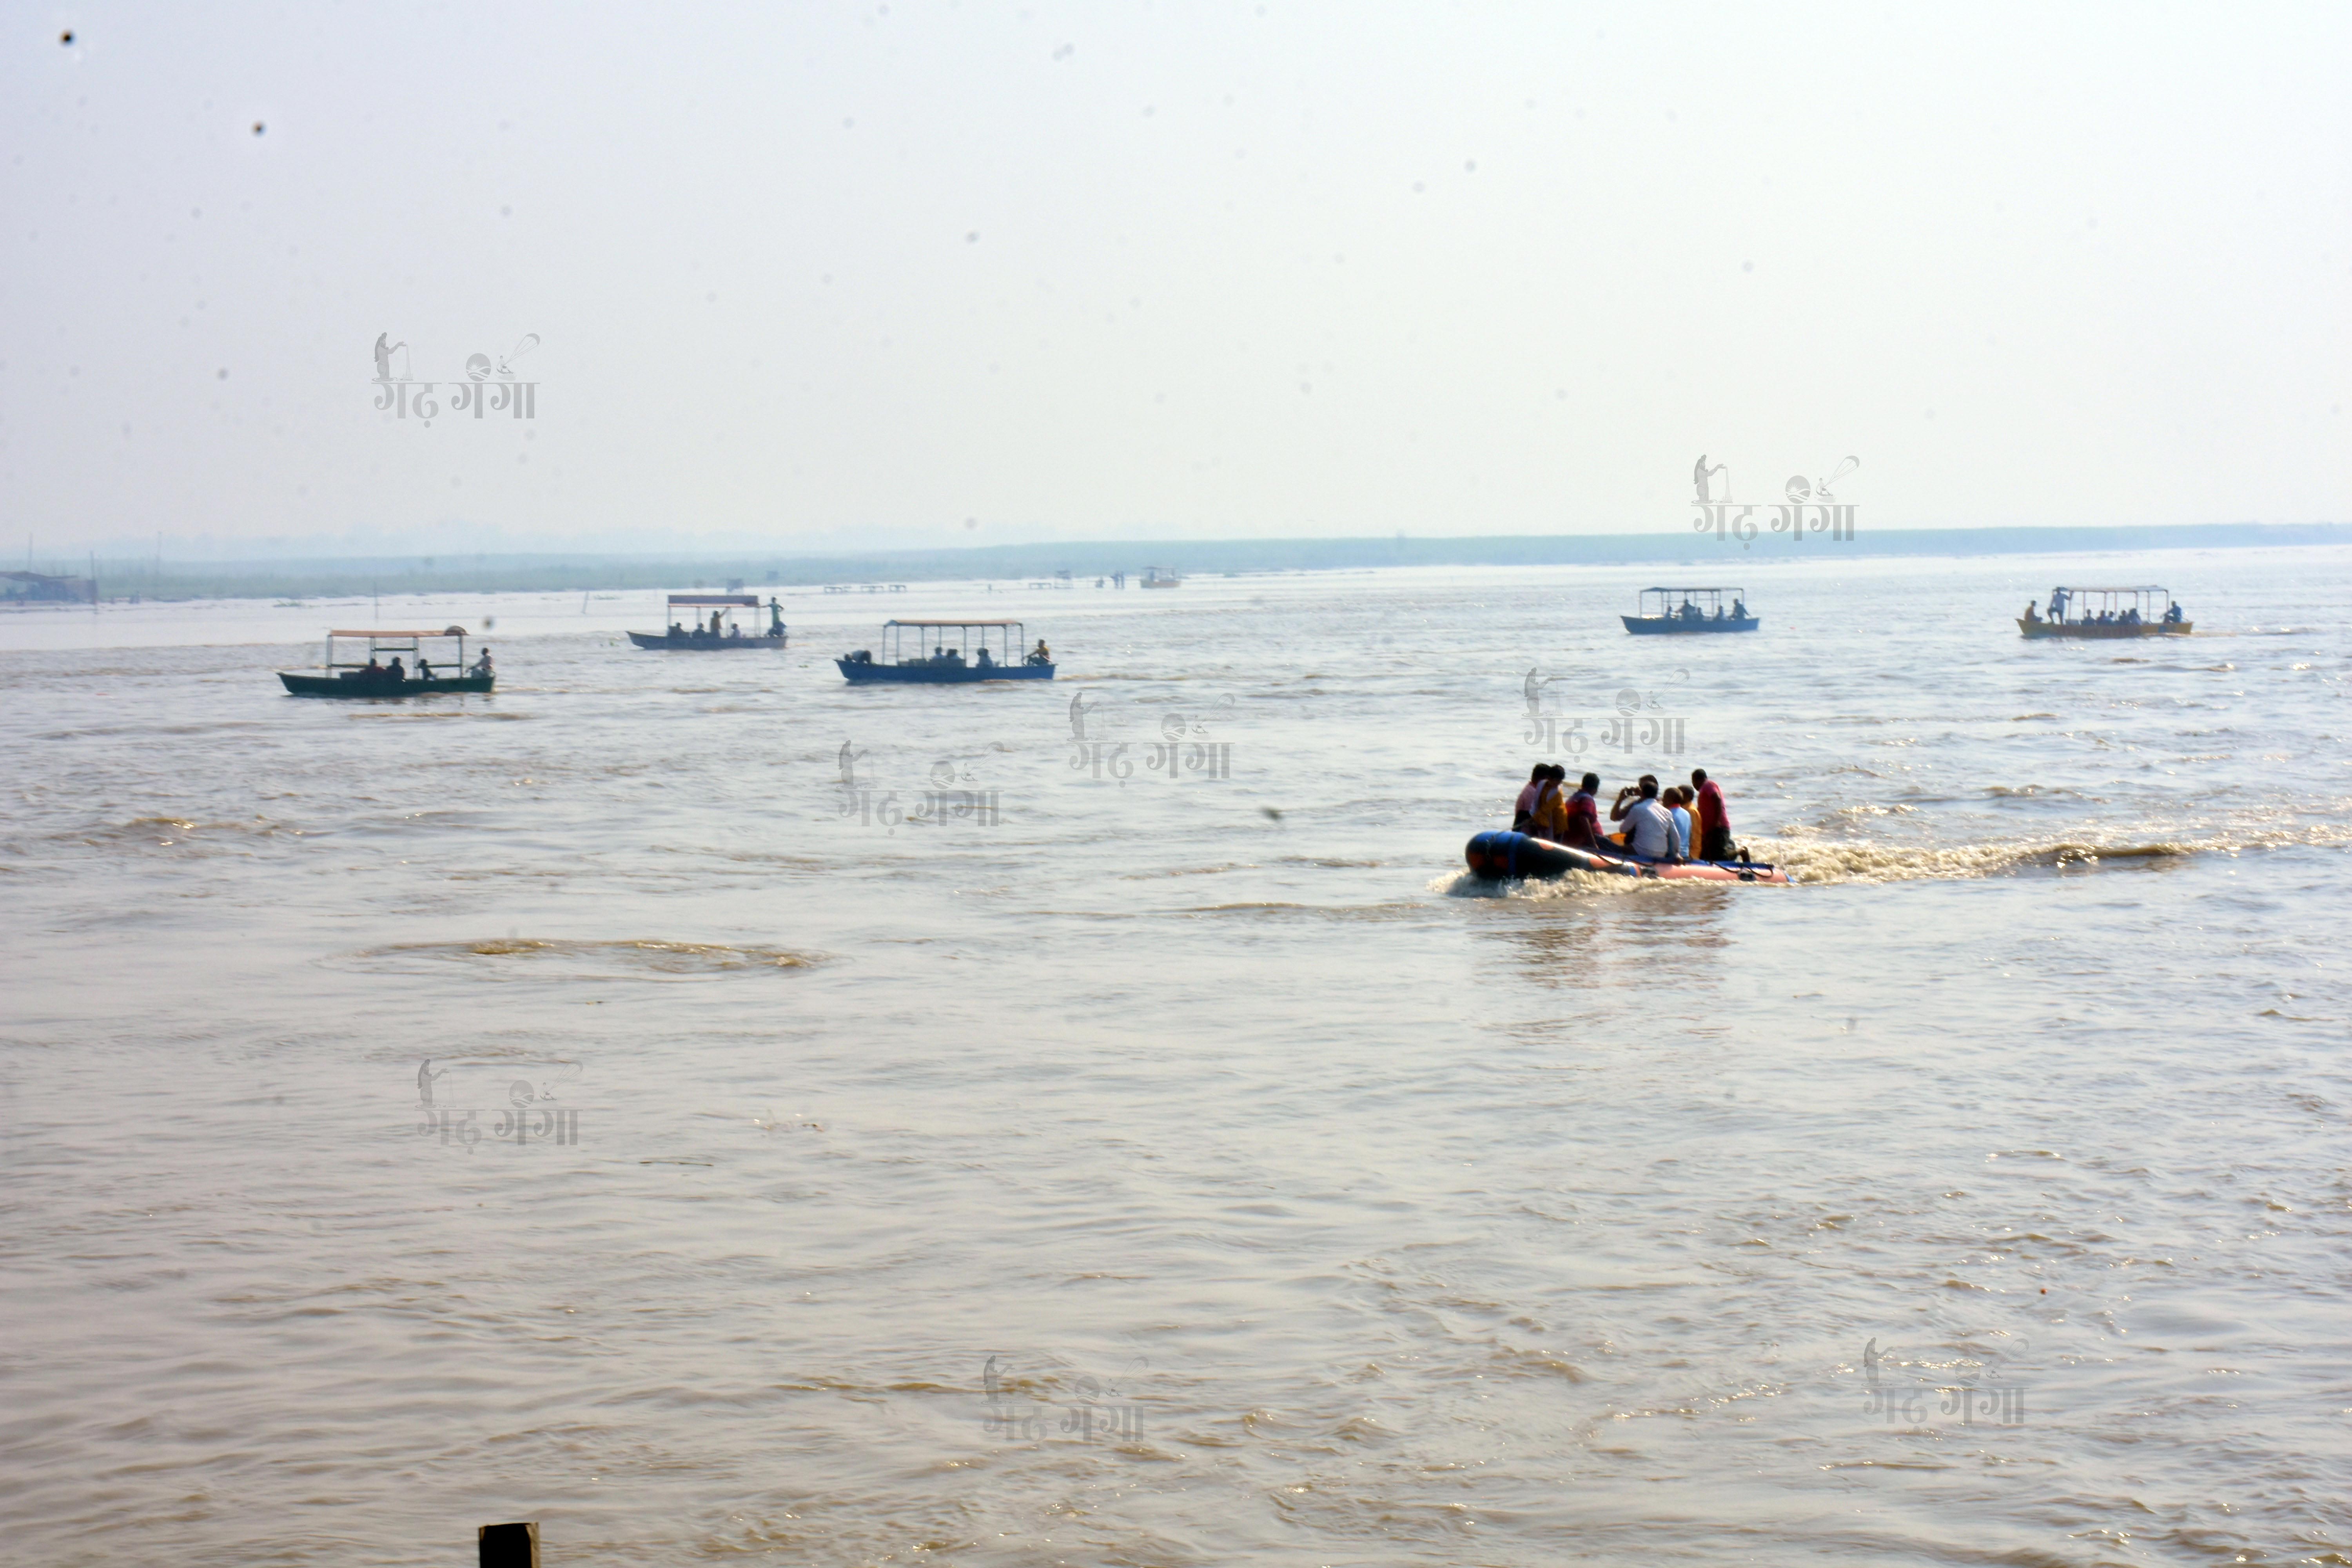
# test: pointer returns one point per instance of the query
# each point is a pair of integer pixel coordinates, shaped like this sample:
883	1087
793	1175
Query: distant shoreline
581	571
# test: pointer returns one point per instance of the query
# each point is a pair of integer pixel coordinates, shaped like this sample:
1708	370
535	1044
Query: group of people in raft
1659	825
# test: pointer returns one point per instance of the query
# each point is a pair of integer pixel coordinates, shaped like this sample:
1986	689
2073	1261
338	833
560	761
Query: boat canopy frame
723	605
2065	600
392	642
1010	635
1668	611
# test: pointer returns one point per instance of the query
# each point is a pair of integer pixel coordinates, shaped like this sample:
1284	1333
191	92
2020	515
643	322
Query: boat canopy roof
752	600
2141	588
951	623
444	632
1739	590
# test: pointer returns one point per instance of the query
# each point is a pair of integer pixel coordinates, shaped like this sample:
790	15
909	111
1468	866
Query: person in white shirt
1648	828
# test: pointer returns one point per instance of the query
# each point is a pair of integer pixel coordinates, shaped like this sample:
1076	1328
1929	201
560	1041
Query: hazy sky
810	275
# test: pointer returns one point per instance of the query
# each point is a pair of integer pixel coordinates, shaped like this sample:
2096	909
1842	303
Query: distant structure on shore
39	587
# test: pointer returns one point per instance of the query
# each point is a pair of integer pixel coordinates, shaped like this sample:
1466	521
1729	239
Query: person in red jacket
1581	817
1714	820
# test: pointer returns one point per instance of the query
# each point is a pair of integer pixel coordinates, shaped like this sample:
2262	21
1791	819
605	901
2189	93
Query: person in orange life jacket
1523	811
1544	814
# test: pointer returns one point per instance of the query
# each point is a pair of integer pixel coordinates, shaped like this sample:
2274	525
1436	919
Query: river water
720	1113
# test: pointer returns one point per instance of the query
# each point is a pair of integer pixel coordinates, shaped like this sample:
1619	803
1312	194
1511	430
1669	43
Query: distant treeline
346	577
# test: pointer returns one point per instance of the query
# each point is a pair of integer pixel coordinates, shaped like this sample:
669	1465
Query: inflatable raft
1497	855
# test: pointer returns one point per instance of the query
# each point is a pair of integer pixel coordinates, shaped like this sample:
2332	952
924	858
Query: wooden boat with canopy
723	635
1668	612
949	653
2107	613
407	671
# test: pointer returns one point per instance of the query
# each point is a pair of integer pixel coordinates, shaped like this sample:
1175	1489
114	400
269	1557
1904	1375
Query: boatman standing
1714	821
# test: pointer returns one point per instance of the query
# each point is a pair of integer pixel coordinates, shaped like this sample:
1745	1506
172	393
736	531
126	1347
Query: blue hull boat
1676	611
961	655
930	673
1669	625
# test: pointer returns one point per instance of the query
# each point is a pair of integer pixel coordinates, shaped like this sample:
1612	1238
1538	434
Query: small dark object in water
66	37
509	1545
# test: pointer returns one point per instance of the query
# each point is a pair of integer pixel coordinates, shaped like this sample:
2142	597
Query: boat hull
654	642
1500	856
858	673
2103	629
1658	626
336	686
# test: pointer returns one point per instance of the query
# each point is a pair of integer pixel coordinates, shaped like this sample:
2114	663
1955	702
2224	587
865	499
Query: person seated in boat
984	661
1580	824
2172	616
1718	612
1039	655
1548	817
1738	609
1543	797
373	671
676	632
1649	829
1523	810
1677	799
396	674
2030	613
482	665
1626	794
735	632
423	668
